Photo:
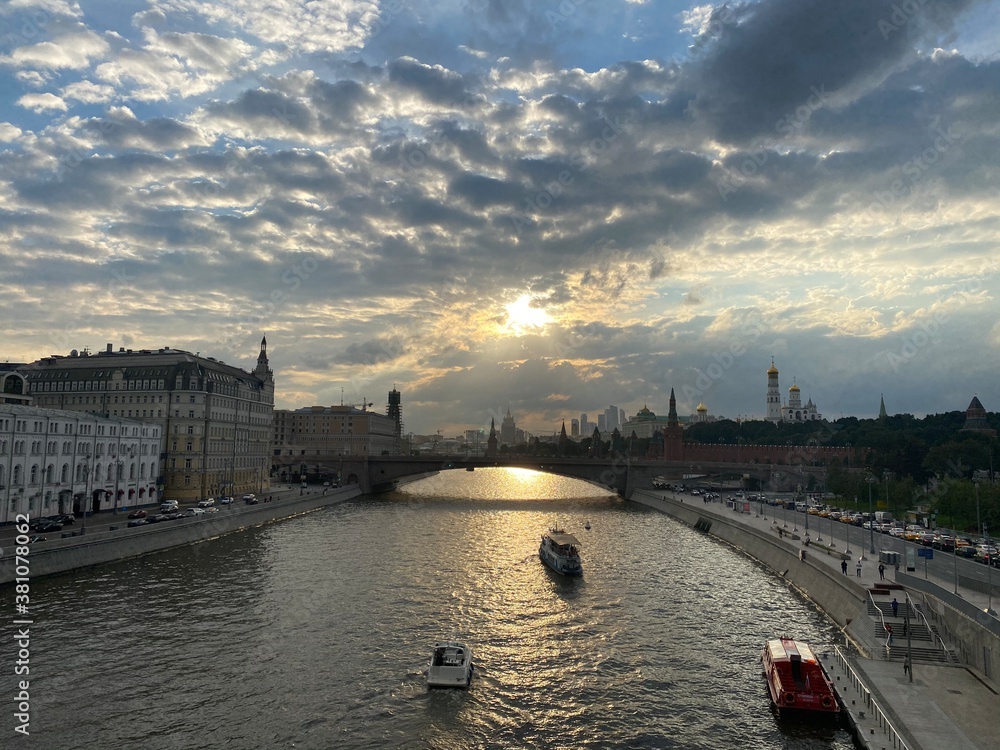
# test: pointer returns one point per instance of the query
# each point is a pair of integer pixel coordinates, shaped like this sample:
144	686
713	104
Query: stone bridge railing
619	473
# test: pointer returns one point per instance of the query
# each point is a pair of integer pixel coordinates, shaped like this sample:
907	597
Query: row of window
54	428
97	385
52	447
35	473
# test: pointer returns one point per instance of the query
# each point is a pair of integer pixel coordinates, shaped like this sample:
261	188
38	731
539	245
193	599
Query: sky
547	206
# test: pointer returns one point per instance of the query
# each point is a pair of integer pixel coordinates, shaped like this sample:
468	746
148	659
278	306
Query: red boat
796	679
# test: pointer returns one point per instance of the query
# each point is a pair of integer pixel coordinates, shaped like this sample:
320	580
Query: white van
168	506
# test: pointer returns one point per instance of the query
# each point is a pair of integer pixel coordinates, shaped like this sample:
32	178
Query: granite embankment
82	551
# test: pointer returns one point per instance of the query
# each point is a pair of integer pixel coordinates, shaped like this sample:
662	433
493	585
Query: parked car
47	524
225	500
190	512
138	522
250	499
138	514
173	515
167	507
157	518
207	502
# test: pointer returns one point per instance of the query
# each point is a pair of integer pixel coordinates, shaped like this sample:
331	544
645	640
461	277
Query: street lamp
86	496
979	526
989	566
118	475
871	515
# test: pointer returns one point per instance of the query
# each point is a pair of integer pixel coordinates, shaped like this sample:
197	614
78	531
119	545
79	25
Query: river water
314	632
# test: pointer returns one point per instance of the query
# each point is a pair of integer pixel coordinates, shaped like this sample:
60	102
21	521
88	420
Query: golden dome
794	387
702	407
772	370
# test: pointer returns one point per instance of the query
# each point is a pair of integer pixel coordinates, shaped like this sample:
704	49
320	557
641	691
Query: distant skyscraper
611	418
508	430
601	422
574	428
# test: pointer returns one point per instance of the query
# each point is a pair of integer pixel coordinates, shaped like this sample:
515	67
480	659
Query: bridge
620	473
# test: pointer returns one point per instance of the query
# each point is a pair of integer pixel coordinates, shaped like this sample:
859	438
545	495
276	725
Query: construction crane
363	405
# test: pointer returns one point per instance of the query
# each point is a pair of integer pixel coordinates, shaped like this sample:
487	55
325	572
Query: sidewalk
943	708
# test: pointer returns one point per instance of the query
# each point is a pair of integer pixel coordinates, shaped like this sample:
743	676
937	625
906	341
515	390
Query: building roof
39	411
142	363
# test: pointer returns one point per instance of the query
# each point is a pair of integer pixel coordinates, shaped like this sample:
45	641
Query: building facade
310	440
13	385
216	420
62	461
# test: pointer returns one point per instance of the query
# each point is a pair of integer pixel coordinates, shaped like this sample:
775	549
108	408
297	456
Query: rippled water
314	632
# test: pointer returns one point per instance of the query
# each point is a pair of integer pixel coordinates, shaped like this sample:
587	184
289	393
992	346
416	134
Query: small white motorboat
451	666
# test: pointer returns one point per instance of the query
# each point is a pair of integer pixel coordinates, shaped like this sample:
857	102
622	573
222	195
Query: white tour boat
560	551
451	666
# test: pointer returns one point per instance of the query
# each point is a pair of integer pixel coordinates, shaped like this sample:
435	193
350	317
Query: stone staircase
909	629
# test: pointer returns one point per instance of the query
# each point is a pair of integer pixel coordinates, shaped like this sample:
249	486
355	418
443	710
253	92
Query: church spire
672	420
881	408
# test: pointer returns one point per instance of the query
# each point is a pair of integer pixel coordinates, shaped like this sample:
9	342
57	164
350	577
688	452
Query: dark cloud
432	83
776	56
373	352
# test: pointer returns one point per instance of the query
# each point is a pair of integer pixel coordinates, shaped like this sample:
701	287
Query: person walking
859	567
843	566
881	572
895	607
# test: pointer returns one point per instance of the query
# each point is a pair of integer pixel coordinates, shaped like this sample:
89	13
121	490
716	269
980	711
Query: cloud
73	51
39	103
375	198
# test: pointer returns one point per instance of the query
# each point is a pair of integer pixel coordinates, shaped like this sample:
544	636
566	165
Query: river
314	632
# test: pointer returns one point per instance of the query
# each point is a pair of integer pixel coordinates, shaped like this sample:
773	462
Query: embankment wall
62	555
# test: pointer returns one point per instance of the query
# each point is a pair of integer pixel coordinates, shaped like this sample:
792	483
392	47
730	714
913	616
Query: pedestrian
859	567
889	629
881	572
895	607
843	566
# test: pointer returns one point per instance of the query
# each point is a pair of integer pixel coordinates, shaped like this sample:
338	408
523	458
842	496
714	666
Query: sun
522	316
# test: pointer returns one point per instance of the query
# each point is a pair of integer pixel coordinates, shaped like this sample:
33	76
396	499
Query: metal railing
885	628
872	705
935	638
